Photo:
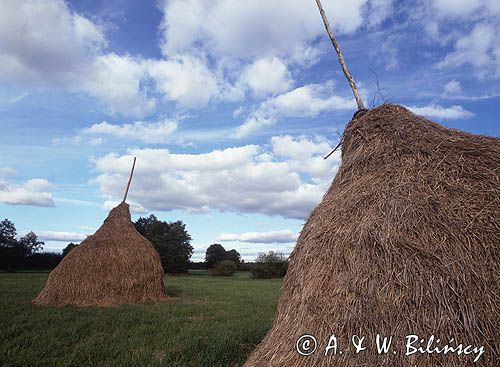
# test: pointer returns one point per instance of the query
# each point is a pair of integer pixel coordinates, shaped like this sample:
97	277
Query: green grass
210	322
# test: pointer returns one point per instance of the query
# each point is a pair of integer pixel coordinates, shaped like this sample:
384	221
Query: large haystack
115	265
405	241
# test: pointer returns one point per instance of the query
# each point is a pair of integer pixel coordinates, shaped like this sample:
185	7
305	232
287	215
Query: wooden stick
129	181
333	150
336	46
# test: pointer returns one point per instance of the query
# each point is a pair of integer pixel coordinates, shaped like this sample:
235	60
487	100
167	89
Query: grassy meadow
210	321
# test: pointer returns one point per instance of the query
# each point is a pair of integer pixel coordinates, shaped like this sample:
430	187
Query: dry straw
116	265
405	241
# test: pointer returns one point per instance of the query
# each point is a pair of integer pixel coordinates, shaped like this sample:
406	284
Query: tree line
22	252
170	239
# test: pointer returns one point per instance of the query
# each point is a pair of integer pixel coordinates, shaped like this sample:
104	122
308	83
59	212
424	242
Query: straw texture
116	265
405	241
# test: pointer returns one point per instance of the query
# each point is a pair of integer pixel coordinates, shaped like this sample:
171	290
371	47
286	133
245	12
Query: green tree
170	239
30	244
270	265
68	248
225	268
233	255
214	254
7	233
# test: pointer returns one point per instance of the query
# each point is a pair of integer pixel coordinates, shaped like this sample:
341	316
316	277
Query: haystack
405	242
115	265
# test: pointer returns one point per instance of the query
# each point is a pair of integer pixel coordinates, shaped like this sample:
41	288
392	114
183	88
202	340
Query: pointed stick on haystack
336	46
346	71
129	181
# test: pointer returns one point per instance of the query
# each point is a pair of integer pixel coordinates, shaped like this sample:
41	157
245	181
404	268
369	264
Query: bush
224	268
270	265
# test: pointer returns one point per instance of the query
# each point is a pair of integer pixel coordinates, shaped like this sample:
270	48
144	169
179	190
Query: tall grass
209	321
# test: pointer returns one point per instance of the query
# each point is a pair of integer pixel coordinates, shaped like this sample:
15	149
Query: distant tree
170	239
233	255
145	225
270	265
7	233
43	260
224	268
14	253
270	257
68	248
30	244
10	255
214	254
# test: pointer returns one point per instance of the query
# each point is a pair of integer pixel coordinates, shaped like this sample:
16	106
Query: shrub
225	268
270	265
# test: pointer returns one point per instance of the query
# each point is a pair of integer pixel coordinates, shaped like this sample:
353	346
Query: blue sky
228	105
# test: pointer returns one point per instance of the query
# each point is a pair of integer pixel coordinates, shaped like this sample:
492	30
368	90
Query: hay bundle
405	241
115	265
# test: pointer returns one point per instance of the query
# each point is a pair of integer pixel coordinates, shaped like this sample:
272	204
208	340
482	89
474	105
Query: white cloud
300	148
464	8
60	236
452	88
249	29
440	112
186	80
480	49
284	236
234	179
306	101
206	45
97	141
267	76
378	10
148	132
7	171
471	26
32	192
44	42
117	82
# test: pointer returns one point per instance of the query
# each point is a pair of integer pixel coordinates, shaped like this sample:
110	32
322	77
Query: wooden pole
336	46
129	181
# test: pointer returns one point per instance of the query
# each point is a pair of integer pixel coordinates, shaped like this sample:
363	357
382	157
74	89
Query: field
209	322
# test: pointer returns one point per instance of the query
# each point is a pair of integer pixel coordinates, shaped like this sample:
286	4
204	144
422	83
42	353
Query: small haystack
405	241
115	265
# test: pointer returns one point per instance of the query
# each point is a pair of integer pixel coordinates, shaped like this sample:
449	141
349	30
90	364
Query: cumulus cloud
440	112
470	26
306	101
213	51
44	42
245	30
246	179
32	192
116	81
284	236
480	49
60	236
148	132
186	80
267	76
